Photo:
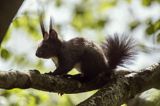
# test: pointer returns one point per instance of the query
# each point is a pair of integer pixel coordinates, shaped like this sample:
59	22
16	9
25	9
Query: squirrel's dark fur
91	59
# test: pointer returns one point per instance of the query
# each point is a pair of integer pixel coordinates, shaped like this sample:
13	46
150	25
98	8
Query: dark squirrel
89	58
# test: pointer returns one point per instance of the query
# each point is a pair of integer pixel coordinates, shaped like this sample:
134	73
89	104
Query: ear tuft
50	25
44	32
52	33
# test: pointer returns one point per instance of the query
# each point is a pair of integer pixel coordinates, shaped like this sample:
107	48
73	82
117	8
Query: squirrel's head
50	45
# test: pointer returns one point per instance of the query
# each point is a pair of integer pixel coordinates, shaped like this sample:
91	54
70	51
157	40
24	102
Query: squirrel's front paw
49	73
67	76
34	71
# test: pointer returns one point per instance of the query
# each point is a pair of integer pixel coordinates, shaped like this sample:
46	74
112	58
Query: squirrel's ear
52	33
44	32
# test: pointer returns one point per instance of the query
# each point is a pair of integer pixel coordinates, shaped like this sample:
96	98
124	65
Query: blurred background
92	19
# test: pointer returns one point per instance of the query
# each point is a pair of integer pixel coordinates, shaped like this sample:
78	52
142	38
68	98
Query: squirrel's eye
45	46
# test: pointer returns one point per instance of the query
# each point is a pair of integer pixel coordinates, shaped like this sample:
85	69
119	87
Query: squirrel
89	58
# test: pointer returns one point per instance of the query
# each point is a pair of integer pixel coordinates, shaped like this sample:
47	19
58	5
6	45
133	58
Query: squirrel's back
81	47
117	50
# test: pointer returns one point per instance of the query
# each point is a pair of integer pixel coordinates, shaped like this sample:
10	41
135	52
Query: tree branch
115	92
124	88
33	79
8	10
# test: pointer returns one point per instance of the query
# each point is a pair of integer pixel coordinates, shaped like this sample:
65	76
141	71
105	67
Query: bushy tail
119	50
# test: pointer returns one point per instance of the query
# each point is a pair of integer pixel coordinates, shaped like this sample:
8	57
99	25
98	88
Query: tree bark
8	10
117	91
33	79
124	88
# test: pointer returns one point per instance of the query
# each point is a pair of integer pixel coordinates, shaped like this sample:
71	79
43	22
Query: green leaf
153	27
150	29
158	38
134	24
58	3
147	2
107	5
5	54
157	25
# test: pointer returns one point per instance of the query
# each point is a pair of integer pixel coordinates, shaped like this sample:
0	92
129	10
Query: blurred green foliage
158	38
17	97
149	2
29	24
152	27
58	3
134	24
5	54
87	14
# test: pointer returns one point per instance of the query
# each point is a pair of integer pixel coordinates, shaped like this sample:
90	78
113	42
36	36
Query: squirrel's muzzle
39	54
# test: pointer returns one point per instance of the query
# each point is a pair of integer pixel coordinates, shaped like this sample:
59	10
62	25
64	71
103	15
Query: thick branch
117	91
33	79
124	88
8	10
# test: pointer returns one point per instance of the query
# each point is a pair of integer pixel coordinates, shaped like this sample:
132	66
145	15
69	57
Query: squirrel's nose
39	53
